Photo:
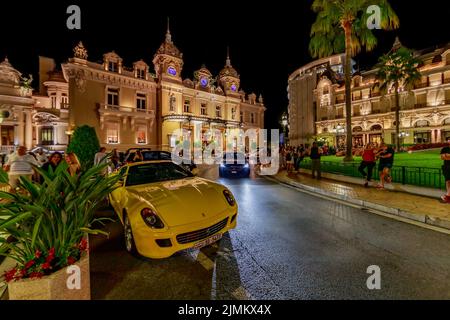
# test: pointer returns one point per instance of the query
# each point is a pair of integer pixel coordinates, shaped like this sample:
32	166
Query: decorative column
439	136
28	130
20	129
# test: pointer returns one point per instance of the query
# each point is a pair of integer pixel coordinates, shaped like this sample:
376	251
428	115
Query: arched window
357	129
376	127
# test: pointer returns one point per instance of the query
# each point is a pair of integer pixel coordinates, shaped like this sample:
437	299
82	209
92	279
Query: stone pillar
20	129
28	130
438	135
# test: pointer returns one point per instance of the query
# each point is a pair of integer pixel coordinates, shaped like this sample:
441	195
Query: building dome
228	70
8	74
168	47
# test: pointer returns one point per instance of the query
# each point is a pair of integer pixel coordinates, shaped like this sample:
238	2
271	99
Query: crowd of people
292	157
20	164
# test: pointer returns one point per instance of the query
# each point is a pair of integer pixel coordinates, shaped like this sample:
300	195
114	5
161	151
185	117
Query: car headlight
222	165
229	197
151	219
246	165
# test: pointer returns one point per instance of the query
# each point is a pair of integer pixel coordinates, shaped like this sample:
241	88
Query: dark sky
267	41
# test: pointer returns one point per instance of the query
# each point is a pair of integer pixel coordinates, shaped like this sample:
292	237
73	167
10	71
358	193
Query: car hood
183	201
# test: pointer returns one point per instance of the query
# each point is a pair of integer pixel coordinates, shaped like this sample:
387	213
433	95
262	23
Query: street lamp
284	124
402	135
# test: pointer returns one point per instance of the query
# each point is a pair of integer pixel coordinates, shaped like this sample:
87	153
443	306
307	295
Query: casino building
128	106
317	103
131	107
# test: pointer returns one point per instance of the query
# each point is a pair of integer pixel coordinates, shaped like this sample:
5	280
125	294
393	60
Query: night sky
267	41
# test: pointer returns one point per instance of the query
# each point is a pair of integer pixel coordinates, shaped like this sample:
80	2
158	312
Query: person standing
445	156
289	160
386	156
368	161
74	164
315	155
19	165
53	163
100	157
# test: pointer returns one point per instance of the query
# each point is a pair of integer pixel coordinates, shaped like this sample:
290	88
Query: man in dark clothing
386	156
314	154
445	156
301	156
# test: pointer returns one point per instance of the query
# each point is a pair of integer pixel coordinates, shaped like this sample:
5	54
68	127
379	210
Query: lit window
141	102
187	106
64	101
218	111
141	135
204	110
112	66
140	73
53	100
113	97
112	133
47	136
233	113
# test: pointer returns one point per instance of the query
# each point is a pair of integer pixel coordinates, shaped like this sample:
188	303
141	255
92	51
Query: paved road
288	245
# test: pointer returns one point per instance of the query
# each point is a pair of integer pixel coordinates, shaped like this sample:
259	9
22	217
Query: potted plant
47	225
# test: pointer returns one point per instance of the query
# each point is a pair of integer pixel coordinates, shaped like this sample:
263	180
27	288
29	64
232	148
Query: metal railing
416	176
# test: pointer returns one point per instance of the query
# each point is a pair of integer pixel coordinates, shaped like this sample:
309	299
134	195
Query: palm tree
341	25
398	68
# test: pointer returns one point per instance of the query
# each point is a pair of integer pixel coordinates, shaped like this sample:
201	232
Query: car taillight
151	219
229	197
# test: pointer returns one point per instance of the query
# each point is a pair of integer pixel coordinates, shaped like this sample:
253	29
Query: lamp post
402	135
285	123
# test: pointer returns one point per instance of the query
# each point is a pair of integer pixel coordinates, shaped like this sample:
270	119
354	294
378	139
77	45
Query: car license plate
233	171
208	241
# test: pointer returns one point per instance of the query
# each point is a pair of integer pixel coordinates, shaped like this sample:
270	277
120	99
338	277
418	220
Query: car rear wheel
130	246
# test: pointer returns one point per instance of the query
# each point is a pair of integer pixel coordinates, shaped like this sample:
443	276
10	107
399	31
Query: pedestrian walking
301	156
289	160
445	156
315	155
19	164
368	161
386	156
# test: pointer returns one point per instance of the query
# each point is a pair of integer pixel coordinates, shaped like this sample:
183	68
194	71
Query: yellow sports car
164	209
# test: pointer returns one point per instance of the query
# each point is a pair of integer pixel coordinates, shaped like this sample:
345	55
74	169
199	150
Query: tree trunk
397	117
348	90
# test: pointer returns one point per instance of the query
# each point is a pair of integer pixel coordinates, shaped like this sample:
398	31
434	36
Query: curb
412	217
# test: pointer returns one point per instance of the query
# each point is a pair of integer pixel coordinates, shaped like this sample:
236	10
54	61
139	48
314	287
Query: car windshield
234	158
156	155
155	172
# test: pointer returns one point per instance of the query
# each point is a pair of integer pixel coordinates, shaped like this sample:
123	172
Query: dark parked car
234	165
149	155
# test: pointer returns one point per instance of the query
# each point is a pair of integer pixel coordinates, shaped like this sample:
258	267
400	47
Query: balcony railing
421	85
109	107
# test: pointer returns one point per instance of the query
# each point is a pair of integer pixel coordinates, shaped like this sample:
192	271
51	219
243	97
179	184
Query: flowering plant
48	222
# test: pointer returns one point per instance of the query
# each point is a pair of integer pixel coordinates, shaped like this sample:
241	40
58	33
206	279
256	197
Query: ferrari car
165	209
234	165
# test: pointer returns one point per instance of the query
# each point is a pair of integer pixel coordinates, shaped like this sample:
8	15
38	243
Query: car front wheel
130	246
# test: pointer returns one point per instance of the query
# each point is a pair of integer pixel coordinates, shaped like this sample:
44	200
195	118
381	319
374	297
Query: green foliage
398	67
85	145
50	219
328	34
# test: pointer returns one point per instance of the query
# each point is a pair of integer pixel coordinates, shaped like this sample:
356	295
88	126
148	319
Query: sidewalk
408	206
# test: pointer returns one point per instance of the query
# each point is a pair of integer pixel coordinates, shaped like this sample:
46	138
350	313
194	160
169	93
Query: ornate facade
317	103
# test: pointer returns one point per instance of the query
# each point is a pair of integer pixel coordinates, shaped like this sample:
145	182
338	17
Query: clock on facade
233	87
172	71
203	82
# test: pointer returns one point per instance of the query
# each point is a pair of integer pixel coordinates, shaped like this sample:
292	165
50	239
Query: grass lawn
422	159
